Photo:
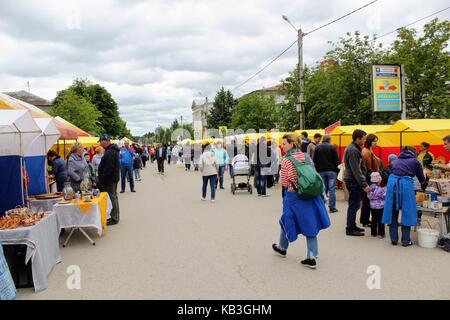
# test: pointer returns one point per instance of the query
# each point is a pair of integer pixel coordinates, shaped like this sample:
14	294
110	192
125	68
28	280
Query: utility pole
301	76
301	81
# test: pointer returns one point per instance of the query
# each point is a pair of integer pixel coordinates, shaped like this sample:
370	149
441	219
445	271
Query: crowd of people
378	191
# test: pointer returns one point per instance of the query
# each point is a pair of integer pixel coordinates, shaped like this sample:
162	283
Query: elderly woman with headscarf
401	196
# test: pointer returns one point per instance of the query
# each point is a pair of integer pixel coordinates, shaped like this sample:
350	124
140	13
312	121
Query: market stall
40	236
84	214
414	132
18	131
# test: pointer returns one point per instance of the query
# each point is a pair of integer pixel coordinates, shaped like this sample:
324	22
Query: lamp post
301	76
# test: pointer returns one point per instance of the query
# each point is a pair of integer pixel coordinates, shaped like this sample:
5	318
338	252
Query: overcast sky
156	56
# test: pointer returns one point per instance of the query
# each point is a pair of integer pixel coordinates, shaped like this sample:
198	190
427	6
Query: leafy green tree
221	111
254	111
110	121
427	69
77	110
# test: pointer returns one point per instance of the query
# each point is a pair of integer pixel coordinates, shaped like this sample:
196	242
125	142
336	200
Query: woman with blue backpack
304	210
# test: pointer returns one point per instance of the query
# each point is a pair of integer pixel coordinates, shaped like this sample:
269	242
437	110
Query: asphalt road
171	245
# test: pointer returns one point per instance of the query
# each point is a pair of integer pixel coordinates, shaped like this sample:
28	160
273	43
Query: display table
84	215
42	241
442	215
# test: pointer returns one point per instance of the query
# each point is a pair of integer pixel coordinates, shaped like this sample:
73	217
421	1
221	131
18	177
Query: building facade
200	112
33	99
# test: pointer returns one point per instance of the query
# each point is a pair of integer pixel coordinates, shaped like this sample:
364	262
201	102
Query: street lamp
301	77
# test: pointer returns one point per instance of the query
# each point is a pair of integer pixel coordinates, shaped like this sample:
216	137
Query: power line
287	49
266	66
344	16
410	24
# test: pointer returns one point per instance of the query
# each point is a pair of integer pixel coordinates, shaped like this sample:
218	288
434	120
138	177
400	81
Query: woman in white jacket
209	168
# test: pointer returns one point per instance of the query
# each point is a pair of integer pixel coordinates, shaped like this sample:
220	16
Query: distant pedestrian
222	159
187	150
161	155
137	167
209	168
312	146
97	158
305	141
169	154
326	160
144	156
126	166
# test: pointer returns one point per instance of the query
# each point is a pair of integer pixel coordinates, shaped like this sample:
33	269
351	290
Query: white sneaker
213	201
203	199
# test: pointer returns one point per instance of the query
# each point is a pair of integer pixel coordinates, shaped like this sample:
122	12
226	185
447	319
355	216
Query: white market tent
36	156
18	131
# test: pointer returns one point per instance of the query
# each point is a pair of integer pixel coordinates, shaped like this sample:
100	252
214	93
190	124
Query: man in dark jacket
161	155
326	160
355	180
109	175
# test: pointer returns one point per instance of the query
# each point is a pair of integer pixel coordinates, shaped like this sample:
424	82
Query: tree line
339	87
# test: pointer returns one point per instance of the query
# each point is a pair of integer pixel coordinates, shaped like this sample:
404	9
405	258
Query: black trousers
365	210
160	165
112	192
377	228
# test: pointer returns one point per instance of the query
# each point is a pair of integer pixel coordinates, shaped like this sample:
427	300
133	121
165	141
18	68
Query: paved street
171	245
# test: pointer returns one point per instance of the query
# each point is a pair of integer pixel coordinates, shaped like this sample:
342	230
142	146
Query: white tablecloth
46	205
70	216
42	241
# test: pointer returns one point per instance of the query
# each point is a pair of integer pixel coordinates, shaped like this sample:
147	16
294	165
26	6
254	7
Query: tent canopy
18	131
413	132
68	130
49	136
342	135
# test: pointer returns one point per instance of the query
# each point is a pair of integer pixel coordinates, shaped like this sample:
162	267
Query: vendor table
82	215
442	215
42	241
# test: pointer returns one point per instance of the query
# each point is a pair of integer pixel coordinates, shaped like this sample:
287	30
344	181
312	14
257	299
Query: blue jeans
221	173
126	172
261	183
137	174
329	182
212	180
354	203
393	230
311	243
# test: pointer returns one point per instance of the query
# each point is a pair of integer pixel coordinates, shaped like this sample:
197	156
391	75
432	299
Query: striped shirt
289	172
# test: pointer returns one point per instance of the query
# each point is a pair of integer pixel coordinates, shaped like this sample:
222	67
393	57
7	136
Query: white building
200	111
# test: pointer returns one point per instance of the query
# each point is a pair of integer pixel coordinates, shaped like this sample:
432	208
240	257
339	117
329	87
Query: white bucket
428	238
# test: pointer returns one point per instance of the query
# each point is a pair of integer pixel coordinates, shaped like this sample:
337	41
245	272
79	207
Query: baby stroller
241	167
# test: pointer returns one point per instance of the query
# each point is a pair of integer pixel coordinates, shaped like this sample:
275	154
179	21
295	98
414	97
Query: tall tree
221	111
77	110
110	121
427	68
254	111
